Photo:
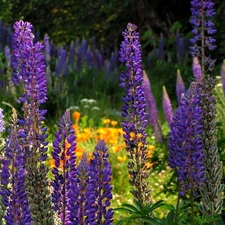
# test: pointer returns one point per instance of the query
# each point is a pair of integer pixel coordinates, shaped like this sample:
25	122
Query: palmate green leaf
149	220
204	220
152	221
156	205
124	210
170	217
130	207
126	220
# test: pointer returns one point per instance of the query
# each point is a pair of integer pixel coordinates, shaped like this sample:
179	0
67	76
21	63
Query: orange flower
150	151
79	152
76	116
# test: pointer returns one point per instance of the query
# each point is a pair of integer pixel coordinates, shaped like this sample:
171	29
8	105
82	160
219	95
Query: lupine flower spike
211	192
167	107
185	142
222	75
29	71
197	71
180	88
152	110
133	111
203	29
13	179
99	189
65	183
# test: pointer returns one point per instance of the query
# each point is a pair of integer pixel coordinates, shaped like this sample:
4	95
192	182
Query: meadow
90	136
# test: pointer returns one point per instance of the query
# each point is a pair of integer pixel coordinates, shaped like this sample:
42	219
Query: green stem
192	206
178	200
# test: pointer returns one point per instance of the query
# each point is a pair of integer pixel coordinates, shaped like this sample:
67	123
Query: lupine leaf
170	216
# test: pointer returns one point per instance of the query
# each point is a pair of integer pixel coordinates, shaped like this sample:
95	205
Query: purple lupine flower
152	110
197	71
185	141
167	107
222	75
99	59
180	89
133	111
99	189
84	46
21	29
7	57
107	70
47	49
13	179
83	175
202	30
29	71
161	48
2	122
181	50
89	58
61	67
65	183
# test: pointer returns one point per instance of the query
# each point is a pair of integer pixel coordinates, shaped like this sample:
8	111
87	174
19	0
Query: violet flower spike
12	175
180	88
133	111
222	75
65	184
167	107
197	71
152	110
99	189
186	144
203	29
2	122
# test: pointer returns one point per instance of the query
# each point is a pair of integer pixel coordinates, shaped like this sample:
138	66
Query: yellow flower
114	123
121	158
106	121
151	150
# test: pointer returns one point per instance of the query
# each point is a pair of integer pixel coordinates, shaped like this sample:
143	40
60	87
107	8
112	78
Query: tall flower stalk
202	12
152	110
180	88
167	107
186	144
99	189
211	192
12	175
29	72
65	182
133	112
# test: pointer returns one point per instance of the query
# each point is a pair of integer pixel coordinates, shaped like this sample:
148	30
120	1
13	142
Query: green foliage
141	213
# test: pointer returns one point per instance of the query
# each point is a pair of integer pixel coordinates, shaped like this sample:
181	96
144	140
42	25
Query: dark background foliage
66	20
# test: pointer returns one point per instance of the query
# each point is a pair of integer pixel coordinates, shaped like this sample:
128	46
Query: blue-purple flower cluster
12	178
180	88
134	113
202	12
167	107
185	142
152	110
81	195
